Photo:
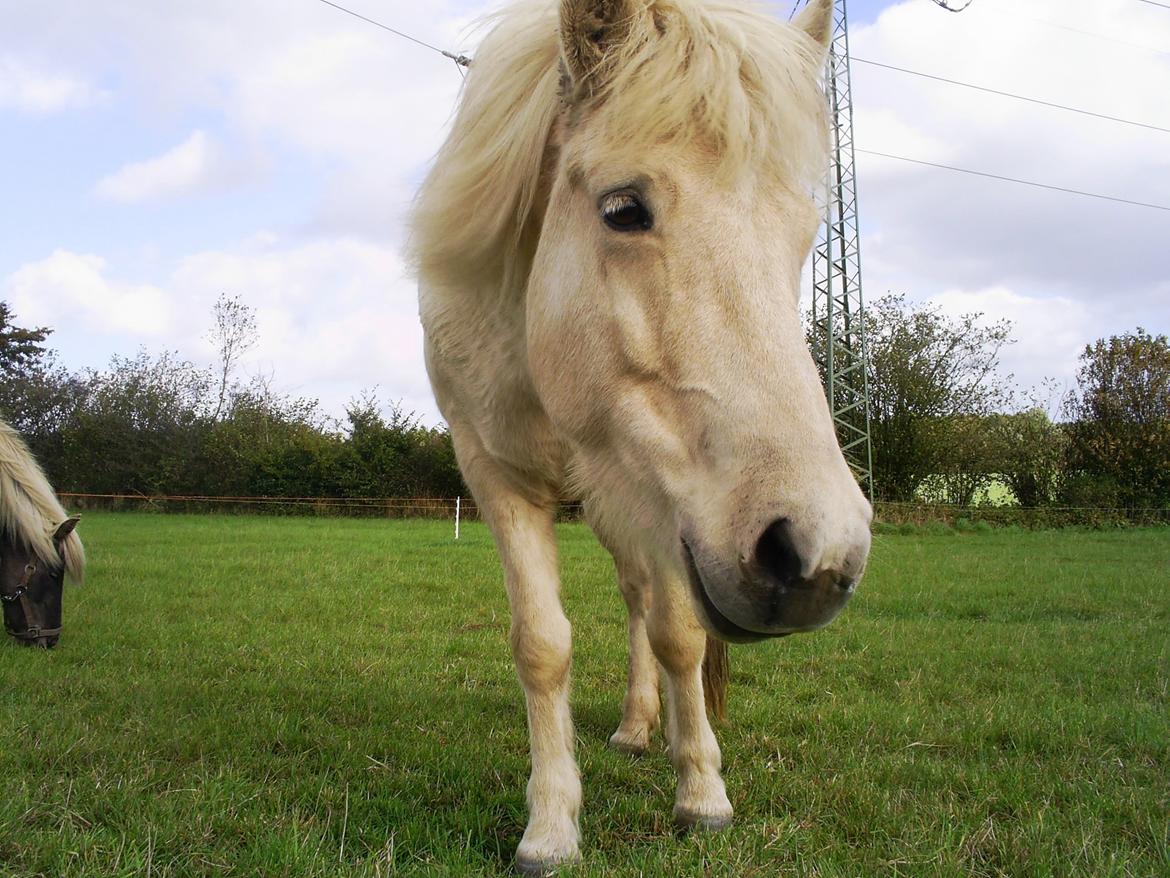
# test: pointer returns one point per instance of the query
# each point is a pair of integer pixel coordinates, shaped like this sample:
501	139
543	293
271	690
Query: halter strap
32	632
22	586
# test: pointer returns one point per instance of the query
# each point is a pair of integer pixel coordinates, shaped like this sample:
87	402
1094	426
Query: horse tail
716	675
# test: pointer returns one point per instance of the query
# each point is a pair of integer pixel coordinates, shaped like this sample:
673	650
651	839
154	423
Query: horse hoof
689	821
534	867
630	744
538	867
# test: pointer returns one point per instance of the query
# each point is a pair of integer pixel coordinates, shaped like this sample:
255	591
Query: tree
39	402
395	455
157	424
964	457
1029	453
266	443
233	335
36	394
926	368
137	427
1119	452
20	349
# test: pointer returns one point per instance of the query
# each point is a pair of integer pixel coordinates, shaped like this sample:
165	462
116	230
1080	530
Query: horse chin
711	616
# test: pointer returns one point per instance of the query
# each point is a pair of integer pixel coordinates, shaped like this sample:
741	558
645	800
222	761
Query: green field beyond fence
263	696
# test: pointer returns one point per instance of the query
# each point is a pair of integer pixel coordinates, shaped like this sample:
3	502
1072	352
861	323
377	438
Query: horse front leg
678	640
641	703
542	649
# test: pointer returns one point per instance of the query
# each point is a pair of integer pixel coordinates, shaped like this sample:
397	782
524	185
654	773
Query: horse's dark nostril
776	555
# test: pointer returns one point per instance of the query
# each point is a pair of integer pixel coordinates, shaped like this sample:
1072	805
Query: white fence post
458	501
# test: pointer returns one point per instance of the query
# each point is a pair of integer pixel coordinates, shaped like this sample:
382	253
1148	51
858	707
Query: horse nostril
776	555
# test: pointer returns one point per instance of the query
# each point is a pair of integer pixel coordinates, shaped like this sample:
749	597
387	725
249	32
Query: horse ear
816	20
65	528
590	31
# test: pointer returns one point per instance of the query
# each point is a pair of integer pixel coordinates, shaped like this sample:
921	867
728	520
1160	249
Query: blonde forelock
728	73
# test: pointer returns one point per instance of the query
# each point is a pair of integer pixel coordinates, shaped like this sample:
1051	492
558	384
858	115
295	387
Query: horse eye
623	212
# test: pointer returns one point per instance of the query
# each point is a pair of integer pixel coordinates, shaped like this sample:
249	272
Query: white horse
609	249
38	546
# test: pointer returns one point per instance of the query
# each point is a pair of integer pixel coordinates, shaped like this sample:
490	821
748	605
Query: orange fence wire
444	507
386	507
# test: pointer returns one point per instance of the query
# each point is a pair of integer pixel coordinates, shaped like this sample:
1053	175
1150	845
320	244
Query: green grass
310	697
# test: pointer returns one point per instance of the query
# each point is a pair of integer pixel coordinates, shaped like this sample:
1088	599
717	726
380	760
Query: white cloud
22	87
941	229
897	135
1066	269
194	164
72	290
333	316
375	110
1049	332
365	107
349	115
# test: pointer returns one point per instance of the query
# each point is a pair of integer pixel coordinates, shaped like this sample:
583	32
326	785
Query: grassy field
253	696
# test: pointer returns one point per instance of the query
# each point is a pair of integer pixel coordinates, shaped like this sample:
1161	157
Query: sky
155	156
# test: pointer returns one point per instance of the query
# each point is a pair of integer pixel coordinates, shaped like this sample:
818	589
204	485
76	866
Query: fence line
445	508
385	507
1022	516
257	498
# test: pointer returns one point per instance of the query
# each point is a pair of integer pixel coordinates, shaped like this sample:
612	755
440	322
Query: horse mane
727	71
29	509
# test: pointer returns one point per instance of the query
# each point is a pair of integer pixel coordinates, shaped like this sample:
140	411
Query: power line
940	3
1008	94
991	10
464	61
461	60
903	158
1090	33
1154	3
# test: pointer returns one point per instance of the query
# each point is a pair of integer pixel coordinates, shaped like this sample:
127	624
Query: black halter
32	632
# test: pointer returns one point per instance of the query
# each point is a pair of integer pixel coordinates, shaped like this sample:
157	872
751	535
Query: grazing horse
38	546
609	249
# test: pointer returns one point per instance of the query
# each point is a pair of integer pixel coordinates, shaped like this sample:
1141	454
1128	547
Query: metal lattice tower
837	304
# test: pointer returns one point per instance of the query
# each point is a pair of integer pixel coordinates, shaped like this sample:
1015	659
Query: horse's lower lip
724	627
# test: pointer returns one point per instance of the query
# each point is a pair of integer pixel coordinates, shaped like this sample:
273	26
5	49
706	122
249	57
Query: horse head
31	589
663	325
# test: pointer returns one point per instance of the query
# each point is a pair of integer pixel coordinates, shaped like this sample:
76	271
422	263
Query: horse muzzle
766	594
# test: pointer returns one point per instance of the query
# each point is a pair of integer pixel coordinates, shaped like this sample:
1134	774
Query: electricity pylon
837	306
